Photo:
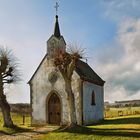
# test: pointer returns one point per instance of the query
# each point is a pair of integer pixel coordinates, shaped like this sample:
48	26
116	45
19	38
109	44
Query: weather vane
56	7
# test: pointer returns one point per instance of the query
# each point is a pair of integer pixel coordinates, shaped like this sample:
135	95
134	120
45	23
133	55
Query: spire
56	28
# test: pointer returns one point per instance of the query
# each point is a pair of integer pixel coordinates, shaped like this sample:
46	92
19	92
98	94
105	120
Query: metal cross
56	7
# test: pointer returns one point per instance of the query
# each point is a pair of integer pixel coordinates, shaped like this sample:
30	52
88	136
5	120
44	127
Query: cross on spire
56	7
56	28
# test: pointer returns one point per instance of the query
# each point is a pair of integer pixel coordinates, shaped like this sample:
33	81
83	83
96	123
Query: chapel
48	97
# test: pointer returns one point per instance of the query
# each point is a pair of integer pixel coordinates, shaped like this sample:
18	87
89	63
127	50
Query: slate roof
56	28
86	73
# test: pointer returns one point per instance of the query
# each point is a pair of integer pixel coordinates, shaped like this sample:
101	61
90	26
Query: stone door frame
47	101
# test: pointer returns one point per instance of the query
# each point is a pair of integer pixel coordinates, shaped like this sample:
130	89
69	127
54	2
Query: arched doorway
54	109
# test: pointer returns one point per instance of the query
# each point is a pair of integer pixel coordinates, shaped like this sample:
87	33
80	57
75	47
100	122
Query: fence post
23	119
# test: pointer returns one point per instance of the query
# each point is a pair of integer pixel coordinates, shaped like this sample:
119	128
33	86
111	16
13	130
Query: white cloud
122	75
121	9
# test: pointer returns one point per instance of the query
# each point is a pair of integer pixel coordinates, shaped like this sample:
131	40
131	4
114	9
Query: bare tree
66	63
8	75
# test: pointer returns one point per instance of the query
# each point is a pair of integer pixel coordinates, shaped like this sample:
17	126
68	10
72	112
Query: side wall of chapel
92	112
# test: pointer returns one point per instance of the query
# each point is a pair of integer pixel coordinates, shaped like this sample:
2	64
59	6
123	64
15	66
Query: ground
22	133
121	128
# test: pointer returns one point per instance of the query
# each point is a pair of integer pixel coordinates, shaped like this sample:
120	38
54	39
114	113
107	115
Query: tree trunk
5	108
71	102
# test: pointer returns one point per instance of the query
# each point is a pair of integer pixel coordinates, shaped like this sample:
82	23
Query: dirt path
33	135
20	136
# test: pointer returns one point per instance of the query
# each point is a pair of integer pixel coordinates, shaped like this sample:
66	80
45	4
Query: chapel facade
47	89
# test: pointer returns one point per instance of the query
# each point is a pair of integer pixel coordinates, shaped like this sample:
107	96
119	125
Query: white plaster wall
92	113
41	87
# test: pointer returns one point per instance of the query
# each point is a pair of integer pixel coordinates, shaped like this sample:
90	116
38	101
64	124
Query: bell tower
56	43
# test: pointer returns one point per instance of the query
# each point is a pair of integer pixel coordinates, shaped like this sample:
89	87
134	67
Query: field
116	112
123	128
117	128
18	120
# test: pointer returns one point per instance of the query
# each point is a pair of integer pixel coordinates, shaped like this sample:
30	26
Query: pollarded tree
8	75
66	63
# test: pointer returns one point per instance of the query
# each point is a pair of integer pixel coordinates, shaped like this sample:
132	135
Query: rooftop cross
56	7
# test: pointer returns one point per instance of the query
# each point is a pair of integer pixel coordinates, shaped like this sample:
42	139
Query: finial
56	7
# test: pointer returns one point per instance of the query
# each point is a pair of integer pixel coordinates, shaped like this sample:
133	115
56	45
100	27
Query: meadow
118	128
18	121
123	128
117	112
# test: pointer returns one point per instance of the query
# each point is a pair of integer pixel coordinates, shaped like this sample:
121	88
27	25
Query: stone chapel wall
41	88
92	113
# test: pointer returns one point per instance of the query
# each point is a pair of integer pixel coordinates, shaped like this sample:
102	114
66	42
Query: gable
45	57
85	72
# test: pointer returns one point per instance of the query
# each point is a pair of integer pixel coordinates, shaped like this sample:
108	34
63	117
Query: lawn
18	120
125	111
122	128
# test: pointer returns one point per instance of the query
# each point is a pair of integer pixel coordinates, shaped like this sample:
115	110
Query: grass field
118	128
18	120
127	111
123	128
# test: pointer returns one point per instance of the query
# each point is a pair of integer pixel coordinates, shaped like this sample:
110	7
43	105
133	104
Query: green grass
126	111
124	128
118	128
18	121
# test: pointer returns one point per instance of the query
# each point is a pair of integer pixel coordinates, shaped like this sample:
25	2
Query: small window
93	98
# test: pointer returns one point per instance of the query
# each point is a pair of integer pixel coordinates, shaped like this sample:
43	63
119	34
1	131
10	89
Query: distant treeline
126	105
121	104
21	108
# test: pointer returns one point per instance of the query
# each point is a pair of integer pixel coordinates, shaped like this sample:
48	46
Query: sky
109	30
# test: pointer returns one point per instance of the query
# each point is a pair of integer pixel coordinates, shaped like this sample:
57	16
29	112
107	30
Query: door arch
54	109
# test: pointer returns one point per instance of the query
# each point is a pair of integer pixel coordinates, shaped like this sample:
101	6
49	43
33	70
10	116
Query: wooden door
54	109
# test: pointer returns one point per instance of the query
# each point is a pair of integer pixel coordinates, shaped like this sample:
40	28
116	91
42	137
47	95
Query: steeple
56	43
56	28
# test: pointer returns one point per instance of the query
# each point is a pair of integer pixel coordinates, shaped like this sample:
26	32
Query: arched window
93	98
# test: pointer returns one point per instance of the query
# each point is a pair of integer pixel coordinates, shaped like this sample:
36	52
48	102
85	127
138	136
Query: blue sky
108	29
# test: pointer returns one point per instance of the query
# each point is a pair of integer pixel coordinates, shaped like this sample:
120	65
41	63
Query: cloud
121	9
122	74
